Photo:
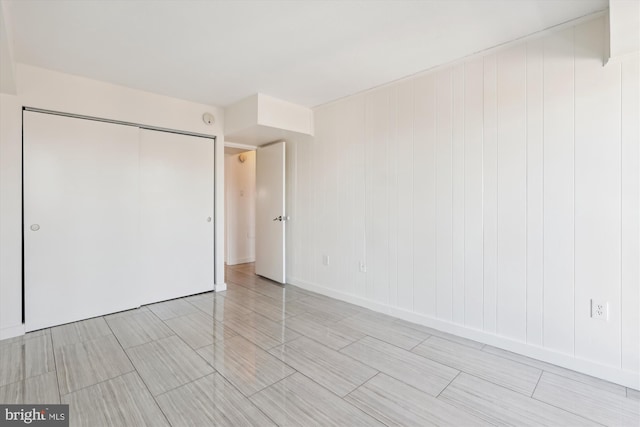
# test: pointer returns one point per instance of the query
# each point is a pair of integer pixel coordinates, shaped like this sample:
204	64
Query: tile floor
261	354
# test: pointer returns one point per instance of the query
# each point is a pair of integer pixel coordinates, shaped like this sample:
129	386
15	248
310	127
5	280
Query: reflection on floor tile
333	335
211	401
417	371
26	359
388	331
248	367
22	338
156	359
172	308
76	332
264	354
298	401
198	330
548	367
122	401
89	362
335	371
499	405
516	376
139	328
396	403
592	402
261	331
43	388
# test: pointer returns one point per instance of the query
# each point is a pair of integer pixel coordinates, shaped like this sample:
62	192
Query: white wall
492	198
7	72
240	202
10	217
52	90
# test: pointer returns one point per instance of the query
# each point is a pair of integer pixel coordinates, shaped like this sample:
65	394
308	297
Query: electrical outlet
363	267
325	260
599	310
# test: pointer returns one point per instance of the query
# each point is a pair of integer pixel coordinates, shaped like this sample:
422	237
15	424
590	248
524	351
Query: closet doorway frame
117	122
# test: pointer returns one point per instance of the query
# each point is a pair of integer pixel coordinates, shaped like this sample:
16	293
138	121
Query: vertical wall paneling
511	295
444	194
327	206
392	198
343	264
404	217
291	193
490	184
473	180
334	198
344	192
494	197
630	295
424	196
558	189
597	196
357	134
535	182
299	231
314	223
378	239
458	181
368	193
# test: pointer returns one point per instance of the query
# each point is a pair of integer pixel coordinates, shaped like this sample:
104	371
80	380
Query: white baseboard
10	332
219	287
241	261
609	373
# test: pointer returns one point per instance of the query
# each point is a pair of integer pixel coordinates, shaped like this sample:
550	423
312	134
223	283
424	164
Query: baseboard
219	287
11	332
608	373
241	261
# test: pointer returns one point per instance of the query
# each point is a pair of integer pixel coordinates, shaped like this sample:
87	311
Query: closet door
176	214
80	219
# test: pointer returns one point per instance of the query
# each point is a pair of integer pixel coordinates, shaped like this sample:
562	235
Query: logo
35	415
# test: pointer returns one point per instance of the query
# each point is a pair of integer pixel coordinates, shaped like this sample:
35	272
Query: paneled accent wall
495	198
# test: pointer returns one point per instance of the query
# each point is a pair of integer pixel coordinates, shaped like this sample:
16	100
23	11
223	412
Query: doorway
240	206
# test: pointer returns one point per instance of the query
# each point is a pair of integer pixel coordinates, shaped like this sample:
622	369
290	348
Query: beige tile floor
261	354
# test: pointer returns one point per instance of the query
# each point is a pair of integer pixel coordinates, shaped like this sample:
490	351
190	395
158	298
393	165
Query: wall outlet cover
599	310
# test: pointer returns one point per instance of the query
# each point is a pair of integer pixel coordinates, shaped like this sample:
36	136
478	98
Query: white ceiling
306	52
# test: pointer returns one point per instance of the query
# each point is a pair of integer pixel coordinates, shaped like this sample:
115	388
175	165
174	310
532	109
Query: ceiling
306	52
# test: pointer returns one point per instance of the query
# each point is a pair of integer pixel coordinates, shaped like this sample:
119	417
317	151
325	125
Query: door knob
34	227
278	218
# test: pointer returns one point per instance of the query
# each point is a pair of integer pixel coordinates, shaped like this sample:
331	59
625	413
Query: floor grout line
447	386
140	376
537	382
55	365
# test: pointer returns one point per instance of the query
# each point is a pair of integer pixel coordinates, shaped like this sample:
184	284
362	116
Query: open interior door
270	212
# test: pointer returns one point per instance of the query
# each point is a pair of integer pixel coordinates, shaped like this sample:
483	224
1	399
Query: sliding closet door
176	214
80	219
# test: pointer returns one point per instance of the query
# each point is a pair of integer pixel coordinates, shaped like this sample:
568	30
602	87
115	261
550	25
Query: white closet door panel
81	189
176	215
